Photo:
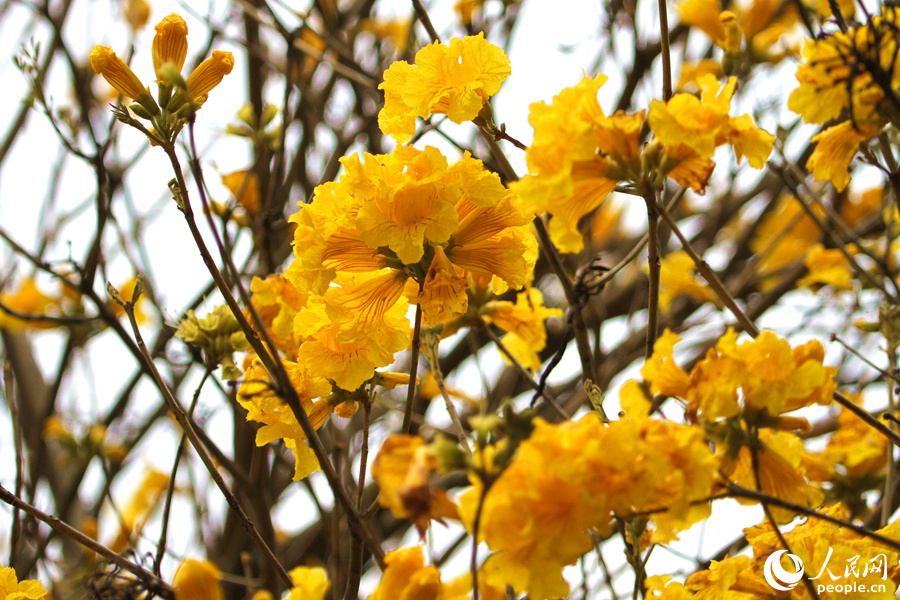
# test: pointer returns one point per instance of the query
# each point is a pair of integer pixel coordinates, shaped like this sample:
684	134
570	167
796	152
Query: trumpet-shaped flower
197	580
264	406
118	74
209	74
402	470
523	323
13	589
169	45
455	80
406	577
703	124
569	478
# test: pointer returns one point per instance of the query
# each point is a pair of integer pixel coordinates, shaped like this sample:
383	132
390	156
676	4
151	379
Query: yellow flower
455	80
567	177
855	73
677	277
855	445
348	347
136	13
692	122
443	295
140	506
407	578
704	124
836	147
422	219
783	237
822	545
114	70
169	44
406	220
763	23
310	583
244	186
735	578
768	373
197	580
573	477
523	322
361	303
778	461
277	302
664	375
264	406
13	589
829	267
402	470
209	74
28	300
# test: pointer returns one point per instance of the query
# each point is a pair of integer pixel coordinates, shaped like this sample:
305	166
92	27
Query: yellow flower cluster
573	477
454	80
829	553
739	392
169	51
851	77
395	228
407	577
579	154
408	215
763	374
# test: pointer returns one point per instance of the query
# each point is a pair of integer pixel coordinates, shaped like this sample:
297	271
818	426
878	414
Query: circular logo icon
779	577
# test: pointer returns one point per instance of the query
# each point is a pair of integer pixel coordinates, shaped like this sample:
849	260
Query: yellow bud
114	70
209	74
197	580
136	13
169	44
732	31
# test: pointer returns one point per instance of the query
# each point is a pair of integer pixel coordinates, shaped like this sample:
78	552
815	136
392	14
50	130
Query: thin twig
422	14
664	50
526	374
170	491
654	265
153	583
207	460
413	370
9	391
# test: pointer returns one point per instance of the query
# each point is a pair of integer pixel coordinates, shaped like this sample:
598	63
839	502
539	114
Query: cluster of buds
178	98
218	335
